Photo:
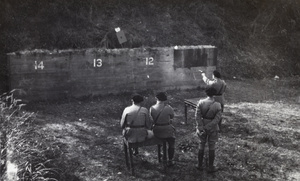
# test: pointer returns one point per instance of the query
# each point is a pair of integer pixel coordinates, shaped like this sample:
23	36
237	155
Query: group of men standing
137	122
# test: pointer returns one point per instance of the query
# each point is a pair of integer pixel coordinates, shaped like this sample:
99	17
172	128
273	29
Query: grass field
81	139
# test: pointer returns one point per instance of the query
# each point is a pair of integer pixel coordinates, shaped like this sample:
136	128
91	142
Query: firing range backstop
44	75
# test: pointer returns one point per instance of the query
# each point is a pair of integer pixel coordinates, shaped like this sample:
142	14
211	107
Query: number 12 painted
149	61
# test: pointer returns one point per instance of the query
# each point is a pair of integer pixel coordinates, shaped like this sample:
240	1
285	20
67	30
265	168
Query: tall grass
11	118
18	145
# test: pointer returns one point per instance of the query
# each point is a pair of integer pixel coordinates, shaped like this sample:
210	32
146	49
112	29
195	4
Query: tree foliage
231	25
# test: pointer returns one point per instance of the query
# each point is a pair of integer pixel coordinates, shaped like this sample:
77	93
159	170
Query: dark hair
137	98
161	96
217	74
211	91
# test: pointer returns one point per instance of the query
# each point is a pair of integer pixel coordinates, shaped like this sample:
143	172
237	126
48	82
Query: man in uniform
220	87
136	121
207	116
162	113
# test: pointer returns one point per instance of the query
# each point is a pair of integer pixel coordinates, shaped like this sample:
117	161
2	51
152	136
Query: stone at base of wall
12	170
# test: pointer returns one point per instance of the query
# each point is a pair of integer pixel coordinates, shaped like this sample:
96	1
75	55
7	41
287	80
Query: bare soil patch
260	140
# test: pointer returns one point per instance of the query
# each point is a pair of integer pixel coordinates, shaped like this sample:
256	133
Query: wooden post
159	153
185	113
131	160
165	155
126	154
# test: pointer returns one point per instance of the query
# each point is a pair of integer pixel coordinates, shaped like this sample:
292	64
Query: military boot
211	159
171	152
200	160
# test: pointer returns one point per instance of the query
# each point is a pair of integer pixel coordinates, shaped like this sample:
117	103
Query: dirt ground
260	140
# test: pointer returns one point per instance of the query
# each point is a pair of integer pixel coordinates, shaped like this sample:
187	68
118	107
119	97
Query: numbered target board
76	73
40	75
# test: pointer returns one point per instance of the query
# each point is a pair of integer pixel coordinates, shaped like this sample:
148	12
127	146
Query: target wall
50	75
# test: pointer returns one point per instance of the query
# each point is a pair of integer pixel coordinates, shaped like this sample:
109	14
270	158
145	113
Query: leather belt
136	126
162	124
207	118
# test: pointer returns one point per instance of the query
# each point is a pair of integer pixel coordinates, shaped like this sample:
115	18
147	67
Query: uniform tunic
207	116
163	127
135	126
220	86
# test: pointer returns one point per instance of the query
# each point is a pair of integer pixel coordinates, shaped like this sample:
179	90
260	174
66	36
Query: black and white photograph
150	90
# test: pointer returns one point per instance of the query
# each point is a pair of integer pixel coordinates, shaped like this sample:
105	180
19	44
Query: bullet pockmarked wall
43	74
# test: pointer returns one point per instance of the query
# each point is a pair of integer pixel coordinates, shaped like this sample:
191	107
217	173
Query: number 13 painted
98	62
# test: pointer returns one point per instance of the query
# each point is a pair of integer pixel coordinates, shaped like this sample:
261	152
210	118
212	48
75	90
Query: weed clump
36	156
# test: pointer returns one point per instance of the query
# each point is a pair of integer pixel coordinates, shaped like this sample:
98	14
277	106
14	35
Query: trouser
211	138
220	122
211	158
171	147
